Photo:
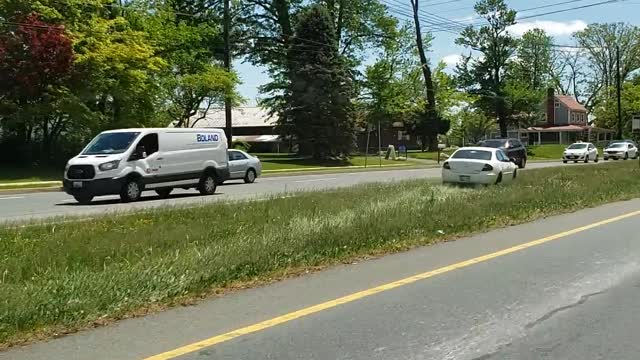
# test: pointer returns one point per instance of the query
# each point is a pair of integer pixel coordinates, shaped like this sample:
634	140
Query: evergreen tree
319	111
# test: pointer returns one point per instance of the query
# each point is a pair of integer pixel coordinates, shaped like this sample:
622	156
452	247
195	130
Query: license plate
464	178
77	184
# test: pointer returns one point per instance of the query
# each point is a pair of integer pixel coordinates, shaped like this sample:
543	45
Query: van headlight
109	165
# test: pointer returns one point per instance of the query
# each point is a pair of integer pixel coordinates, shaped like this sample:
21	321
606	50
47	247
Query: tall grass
66	276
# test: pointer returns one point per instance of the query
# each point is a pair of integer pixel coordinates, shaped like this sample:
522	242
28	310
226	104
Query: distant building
252	125
567	121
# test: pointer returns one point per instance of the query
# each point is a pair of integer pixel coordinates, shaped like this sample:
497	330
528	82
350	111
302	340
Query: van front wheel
131	191
207	185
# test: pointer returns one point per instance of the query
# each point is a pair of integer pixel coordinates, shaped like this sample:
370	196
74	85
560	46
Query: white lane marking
312	180
12	198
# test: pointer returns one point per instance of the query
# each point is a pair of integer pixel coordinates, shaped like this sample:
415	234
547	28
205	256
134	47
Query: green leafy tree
599	42
534	62
606	113
470	126
319	112
486	75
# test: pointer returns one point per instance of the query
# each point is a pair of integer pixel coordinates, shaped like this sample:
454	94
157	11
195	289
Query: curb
30	190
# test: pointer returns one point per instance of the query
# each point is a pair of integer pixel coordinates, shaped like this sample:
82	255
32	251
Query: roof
566	128
478	148
253	116
199	128
571	103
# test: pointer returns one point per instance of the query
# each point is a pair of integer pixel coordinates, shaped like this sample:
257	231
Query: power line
571	9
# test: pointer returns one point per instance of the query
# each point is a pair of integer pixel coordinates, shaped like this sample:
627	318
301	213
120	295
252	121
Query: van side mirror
140	153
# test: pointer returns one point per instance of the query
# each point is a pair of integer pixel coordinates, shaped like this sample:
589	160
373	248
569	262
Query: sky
560	26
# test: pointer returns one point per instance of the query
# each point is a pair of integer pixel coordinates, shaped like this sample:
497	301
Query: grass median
57	278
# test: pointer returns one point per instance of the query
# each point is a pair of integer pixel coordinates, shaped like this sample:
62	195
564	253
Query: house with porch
567	121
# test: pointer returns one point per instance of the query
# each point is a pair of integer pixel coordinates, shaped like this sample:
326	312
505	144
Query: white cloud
552	28
452	59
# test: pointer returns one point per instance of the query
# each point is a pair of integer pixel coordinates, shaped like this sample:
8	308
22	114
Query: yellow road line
372	291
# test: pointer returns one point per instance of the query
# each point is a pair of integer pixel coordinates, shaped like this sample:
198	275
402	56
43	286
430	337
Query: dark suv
512	147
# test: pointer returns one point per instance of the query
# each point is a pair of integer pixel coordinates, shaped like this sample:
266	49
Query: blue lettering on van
203	138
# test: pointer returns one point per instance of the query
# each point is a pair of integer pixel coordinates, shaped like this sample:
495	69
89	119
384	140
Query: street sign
635	123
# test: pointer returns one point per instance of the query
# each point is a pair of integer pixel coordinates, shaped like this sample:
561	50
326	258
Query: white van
127	162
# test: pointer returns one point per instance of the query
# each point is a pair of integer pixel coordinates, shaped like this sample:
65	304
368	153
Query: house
567	121
251	124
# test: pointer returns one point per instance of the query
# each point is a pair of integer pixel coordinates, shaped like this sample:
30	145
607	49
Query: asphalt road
560	291
23	207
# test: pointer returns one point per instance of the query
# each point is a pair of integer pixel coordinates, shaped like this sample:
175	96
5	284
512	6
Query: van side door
145	157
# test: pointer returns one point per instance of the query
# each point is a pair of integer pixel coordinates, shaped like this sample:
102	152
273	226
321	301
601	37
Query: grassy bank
68	276
13	174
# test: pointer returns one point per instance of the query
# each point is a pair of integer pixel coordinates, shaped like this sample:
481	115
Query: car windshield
617	145
577	146
472	154
111	143
494	143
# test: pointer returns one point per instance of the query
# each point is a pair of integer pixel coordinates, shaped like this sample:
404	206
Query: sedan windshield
472	154
494	143
617	145
577	147
111	143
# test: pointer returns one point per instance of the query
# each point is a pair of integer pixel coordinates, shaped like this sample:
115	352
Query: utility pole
619	87
227	65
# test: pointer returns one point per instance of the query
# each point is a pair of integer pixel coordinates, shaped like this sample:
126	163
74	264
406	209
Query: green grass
66	276
427	155
292	163
11	174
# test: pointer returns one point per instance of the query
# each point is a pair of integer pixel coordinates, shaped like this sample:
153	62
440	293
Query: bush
241	145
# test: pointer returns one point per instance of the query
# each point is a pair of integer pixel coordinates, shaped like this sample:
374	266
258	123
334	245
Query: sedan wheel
250	177
626	156
499	179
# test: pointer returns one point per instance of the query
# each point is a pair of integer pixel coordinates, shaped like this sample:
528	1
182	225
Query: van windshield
111	143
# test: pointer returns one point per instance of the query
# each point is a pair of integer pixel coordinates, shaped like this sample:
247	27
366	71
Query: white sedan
478	165
580	151
620	150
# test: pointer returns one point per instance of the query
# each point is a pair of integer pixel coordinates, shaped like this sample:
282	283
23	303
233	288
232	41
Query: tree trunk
431	119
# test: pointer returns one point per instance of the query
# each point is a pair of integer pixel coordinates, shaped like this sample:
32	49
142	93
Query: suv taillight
487	167
446	166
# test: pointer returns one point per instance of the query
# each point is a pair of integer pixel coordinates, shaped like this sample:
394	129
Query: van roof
163	130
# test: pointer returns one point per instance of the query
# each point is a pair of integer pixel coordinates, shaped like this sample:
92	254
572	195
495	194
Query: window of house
557	103
573	117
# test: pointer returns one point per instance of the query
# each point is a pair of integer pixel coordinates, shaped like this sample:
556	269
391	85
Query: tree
188	38
429	123
470	126
486	75
599	42
534	62
319	112
606	113
36	61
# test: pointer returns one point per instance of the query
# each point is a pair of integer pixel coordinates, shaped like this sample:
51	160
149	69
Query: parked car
513	148
244	166
479	165
581	151
620	150
127	162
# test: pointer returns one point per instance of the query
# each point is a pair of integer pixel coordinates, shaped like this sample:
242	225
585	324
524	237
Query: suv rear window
472	154
494	143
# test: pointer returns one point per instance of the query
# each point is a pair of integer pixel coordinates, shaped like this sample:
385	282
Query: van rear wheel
131	191
207	185
83	199
164	193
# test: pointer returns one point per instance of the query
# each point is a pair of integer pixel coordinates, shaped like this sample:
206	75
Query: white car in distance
581	151
620	150
478	165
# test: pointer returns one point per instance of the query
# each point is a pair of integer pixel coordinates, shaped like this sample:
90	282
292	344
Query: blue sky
560	26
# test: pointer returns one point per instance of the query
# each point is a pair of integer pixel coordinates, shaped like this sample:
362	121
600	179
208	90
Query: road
565	287
23	207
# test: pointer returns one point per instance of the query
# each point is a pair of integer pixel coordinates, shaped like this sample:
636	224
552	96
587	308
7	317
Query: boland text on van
127	162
